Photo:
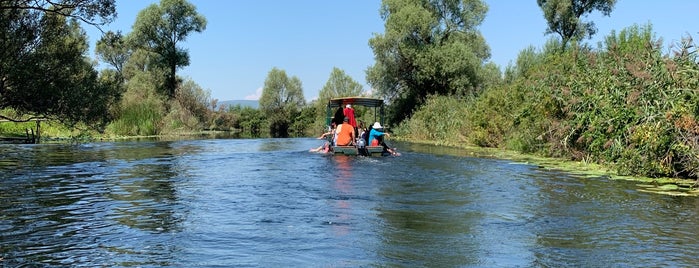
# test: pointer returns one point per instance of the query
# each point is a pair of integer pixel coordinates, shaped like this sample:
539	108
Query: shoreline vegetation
625	108
583	169
628	107
55	132
664	185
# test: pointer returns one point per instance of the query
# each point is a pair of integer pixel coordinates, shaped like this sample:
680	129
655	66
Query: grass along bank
664	185
625	110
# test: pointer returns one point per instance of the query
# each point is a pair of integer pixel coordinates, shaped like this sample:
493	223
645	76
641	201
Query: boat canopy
363	101
376	104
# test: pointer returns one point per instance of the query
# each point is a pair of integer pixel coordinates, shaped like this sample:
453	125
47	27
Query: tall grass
624	104
141	109
138	119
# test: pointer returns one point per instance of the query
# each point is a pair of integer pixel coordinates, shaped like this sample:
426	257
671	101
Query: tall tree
428	47
44	70
339	84
281	100
160	28
93	12
563	17
112	49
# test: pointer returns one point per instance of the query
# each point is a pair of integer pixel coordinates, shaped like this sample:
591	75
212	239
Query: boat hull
353	150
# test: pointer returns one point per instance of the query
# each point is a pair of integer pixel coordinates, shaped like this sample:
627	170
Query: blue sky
244	40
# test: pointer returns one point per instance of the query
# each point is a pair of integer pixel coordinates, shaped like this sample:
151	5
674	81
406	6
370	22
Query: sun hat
376	125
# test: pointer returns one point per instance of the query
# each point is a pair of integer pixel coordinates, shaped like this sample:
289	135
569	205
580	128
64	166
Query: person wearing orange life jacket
345	133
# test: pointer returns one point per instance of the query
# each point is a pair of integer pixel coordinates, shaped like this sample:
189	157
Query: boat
333	114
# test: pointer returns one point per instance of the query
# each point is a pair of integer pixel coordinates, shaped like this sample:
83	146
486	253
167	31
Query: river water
271	203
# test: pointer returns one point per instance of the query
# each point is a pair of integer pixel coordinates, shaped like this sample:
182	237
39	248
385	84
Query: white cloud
255	96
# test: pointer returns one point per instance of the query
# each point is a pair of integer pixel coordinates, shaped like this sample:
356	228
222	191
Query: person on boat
345	133
329	136
339	116
387	149
349	113
363	132
376	133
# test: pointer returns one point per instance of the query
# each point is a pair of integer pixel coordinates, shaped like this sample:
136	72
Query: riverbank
665	185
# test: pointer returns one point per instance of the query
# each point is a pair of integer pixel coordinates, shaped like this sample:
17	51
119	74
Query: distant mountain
244	103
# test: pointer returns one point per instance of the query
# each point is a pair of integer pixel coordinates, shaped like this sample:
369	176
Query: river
271	203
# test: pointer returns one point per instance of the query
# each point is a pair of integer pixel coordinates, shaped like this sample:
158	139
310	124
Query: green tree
281	99
247	119
563	17
112	49
195	100
93	12
43	67
141	109
339	84
160	28
428	47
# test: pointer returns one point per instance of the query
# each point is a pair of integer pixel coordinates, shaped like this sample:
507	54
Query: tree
160	28
43	67
112	49
563	17
428	47
92	12
281	99
339	84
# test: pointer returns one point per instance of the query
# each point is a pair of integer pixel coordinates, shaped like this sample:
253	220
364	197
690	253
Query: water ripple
270	203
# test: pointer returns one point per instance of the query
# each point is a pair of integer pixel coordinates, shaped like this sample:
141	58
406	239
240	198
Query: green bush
624	104
141	110
440	120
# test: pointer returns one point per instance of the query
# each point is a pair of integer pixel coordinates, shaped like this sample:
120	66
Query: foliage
93	12
195	99
339	84
189	111
625	105
281	99
43	66
563	17
141	110
440	120
249	120
160	28
302	124
428	47
112	49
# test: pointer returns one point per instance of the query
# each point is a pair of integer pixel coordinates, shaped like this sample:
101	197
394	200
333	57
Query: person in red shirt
349	113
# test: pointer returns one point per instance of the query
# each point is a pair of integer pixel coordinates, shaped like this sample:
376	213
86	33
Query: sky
244	40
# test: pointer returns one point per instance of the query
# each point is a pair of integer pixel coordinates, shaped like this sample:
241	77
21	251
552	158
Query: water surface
271	203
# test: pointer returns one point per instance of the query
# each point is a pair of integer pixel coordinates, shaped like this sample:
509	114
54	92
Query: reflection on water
343	186
69	201
270	203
